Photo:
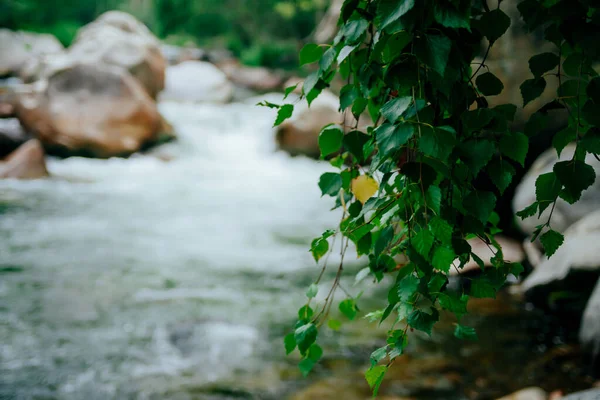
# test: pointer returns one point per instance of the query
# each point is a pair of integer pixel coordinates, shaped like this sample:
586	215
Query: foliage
410	183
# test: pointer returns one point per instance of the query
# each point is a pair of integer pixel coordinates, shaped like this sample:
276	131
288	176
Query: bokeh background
155	227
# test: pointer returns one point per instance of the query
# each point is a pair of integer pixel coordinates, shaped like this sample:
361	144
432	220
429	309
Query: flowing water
169	276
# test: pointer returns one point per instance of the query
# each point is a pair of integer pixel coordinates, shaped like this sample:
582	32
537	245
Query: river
174	275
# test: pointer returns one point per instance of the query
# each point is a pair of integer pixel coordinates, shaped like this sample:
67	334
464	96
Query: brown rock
259	79
27	162
92	110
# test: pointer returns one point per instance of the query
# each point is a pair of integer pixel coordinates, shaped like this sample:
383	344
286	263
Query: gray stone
592	394
589	333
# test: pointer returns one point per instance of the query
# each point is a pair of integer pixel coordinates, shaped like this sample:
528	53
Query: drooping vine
412	181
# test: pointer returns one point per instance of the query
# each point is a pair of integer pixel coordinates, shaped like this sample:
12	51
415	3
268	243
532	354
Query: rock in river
196	82
91	110
27	162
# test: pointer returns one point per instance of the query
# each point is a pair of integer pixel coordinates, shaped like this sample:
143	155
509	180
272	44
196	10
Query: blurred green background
258	32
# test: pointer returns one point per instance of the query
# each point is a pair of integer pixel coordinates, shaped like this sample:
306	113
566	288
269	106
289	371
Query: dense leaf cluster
408	185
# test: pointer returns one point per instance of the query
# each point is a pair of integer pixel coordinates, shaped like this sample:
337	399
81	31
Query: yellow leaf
364	187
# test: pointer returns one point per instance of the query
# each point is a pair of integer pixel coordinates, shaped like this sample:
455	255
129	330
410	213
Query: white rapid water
132	278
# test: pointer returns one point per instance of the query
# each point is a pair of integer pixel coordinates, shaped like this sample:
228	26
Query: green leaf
501	174
327	59
354	29
319	247
477	119
591	113
493	24
593	90
562	138
330	183
285	111
348	94
289	342
516	269
334	324
576	176
531	89
422	321
542	63
437	143
348	308
436	283
434	51
551	240
305	313
312	291
547	188
305	336
354	142
441	229
289	90
393	109
536	124
508	111
310	53
315	352
482	288
344	53
378	355
434	198
515	145
488	84
407	287
389	11
447	15
394	45
480	204
330	139
422	242
374	377
591	141
476	154
443	257
465	332
528	211
453	303
306	365
391	137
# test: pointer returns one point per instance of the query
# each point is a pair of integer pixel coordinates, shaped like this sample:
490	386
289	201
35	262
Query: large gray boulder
564	214
117	39
579	252
92	110
19	48
196	82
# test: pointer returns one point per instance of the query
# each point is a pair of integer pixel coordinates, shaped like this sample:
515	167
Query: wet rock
177	54
564	214
511	249
19	48
299	135
12	135
259	79
27	162
196	82
589	333
334	388
116	39
592	394
578	252
532	393
91	110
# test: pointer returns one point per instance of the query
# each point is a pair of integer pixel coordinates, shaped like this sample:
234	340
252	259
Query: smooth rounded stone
12	135
532	393
259	79
578	252
511	249
592	394
91	110
177	54
18	48
589	332
196	82
114	38
26	162
564	214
